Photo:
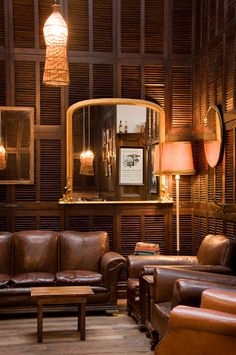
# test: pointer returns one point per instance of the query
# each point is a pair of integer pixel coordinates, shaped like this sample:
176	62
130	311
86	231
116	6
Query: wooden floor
117	334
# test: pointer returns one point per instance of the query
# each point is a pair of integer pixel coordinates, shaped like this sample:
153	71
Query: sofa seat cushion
133	286
4	280
30	279
78	277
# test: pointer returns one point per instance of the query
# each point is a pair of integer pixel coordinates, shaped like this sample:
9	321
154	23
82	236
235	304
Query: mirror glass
103	126
213	136
16	145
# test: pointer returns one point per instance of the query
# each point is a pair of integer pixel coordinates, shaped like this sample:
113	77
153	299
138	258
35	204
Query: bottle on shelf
121	127
126	127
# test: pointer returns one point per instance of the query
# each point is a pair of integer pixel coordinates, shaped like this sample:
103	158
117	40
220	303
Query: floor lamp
177	159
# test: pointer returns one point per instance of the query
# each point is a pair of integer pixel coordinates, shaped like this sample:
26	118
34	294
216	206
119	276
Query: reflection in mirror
17	138
103	126
213	136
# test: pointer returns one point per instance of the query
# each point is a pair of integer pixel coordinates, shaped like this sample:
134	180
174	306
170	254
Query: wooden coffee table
61	295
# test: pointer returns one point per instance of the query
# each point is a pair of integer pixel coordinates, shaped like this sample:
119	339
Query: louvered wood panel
3	223
102	80
28	192
230	10
196	188
219	182
130	233
3	193
50	102
44	9
198	26
204	18
154	84
50	223
181	97
154	30
78	223
203	89
102	25
154	229
79	82
23	20
229	167
25	85
215	226
220	15
78	26
229	229
185	227
2	24
212	17
211	77
211	184
25	223
131	81
229	72
105	223
130	26
182	27
50	170
185	192
196	101
2	83
200	231
219	72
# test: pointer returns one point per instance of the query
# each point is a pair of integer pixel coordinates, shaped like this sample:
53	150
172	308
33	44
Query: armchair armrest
110	265
165	278
188	292
197	331
219	300
135	263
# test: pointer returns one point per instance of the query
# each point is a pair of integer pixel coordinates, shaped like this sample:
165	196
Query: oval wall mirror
213	136
103	126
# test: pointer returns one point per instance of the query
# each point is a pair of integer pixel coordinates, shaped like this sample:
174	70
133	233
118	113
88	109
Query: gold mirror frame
68	196
213	136
17	137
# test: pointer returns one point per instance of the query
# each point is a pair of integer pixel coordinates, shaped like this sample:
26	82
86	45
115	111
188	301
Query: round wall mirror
213	136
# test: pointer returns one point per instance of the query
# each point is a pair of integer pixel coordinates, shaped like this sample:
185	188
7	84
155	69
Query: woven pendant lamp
3	163
86	156
56	71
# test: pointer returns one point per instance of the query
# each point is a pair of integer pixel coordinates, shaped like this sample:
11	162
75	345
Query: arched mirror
213	136
117	138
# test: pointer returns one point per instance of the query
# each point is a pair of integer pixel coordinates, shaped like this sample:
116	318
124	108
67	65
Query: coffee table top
54	291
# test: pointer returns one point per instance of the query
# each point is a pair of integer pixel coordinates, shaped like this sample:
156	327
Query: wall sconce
87	156
56	71
3	163
177	159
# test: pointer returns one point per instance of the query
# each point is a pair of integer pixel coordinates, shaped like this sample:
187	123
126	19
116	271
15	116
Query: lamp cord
88	127
0	127
83	129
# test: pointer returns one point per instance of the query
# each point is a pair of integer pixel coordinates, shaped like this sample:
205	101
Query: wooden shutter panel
154	84
102	25
182	27
229	163
154	29
130	26
2	24
25	84
154	229
23	24
130	233
79	82
78	25
131	81
102	80
2	83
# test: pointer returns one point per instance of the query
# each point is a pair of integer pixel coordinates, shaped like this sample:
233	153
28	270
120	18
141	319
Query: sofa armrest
110	265
188	292
165	278
135	263
219	300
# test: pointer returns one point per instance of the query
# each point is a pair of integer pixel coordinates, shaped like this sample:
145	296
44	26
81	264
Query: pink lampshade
177	158
156	165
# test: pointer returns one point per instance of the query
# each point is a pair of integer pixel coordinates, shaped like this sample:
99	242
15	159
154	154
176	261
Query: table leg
40	323
81	320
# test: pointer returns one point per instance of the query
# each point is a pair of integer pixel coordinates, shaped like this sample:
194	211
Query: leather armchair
169	281
210	329
217	253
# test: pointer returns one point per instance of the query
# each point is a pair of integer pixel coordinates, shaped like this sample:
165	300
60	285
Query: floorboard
117	334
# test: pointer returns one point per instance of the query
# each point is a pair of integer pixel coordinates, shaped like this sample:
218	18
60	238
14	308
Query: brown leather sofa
217	253
47	258
210	329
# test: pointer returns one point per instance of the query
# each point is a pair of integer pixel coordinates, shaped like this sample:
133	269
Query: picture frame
131	166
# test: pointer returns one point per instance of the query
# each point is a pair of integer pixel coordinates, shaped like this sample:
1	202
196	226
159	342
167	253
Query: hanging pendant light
56	71
87	156
3	162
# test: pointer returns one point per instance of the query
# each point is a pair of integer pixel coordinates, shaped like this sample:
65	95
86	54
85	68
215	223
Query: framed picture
153	179
131	166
